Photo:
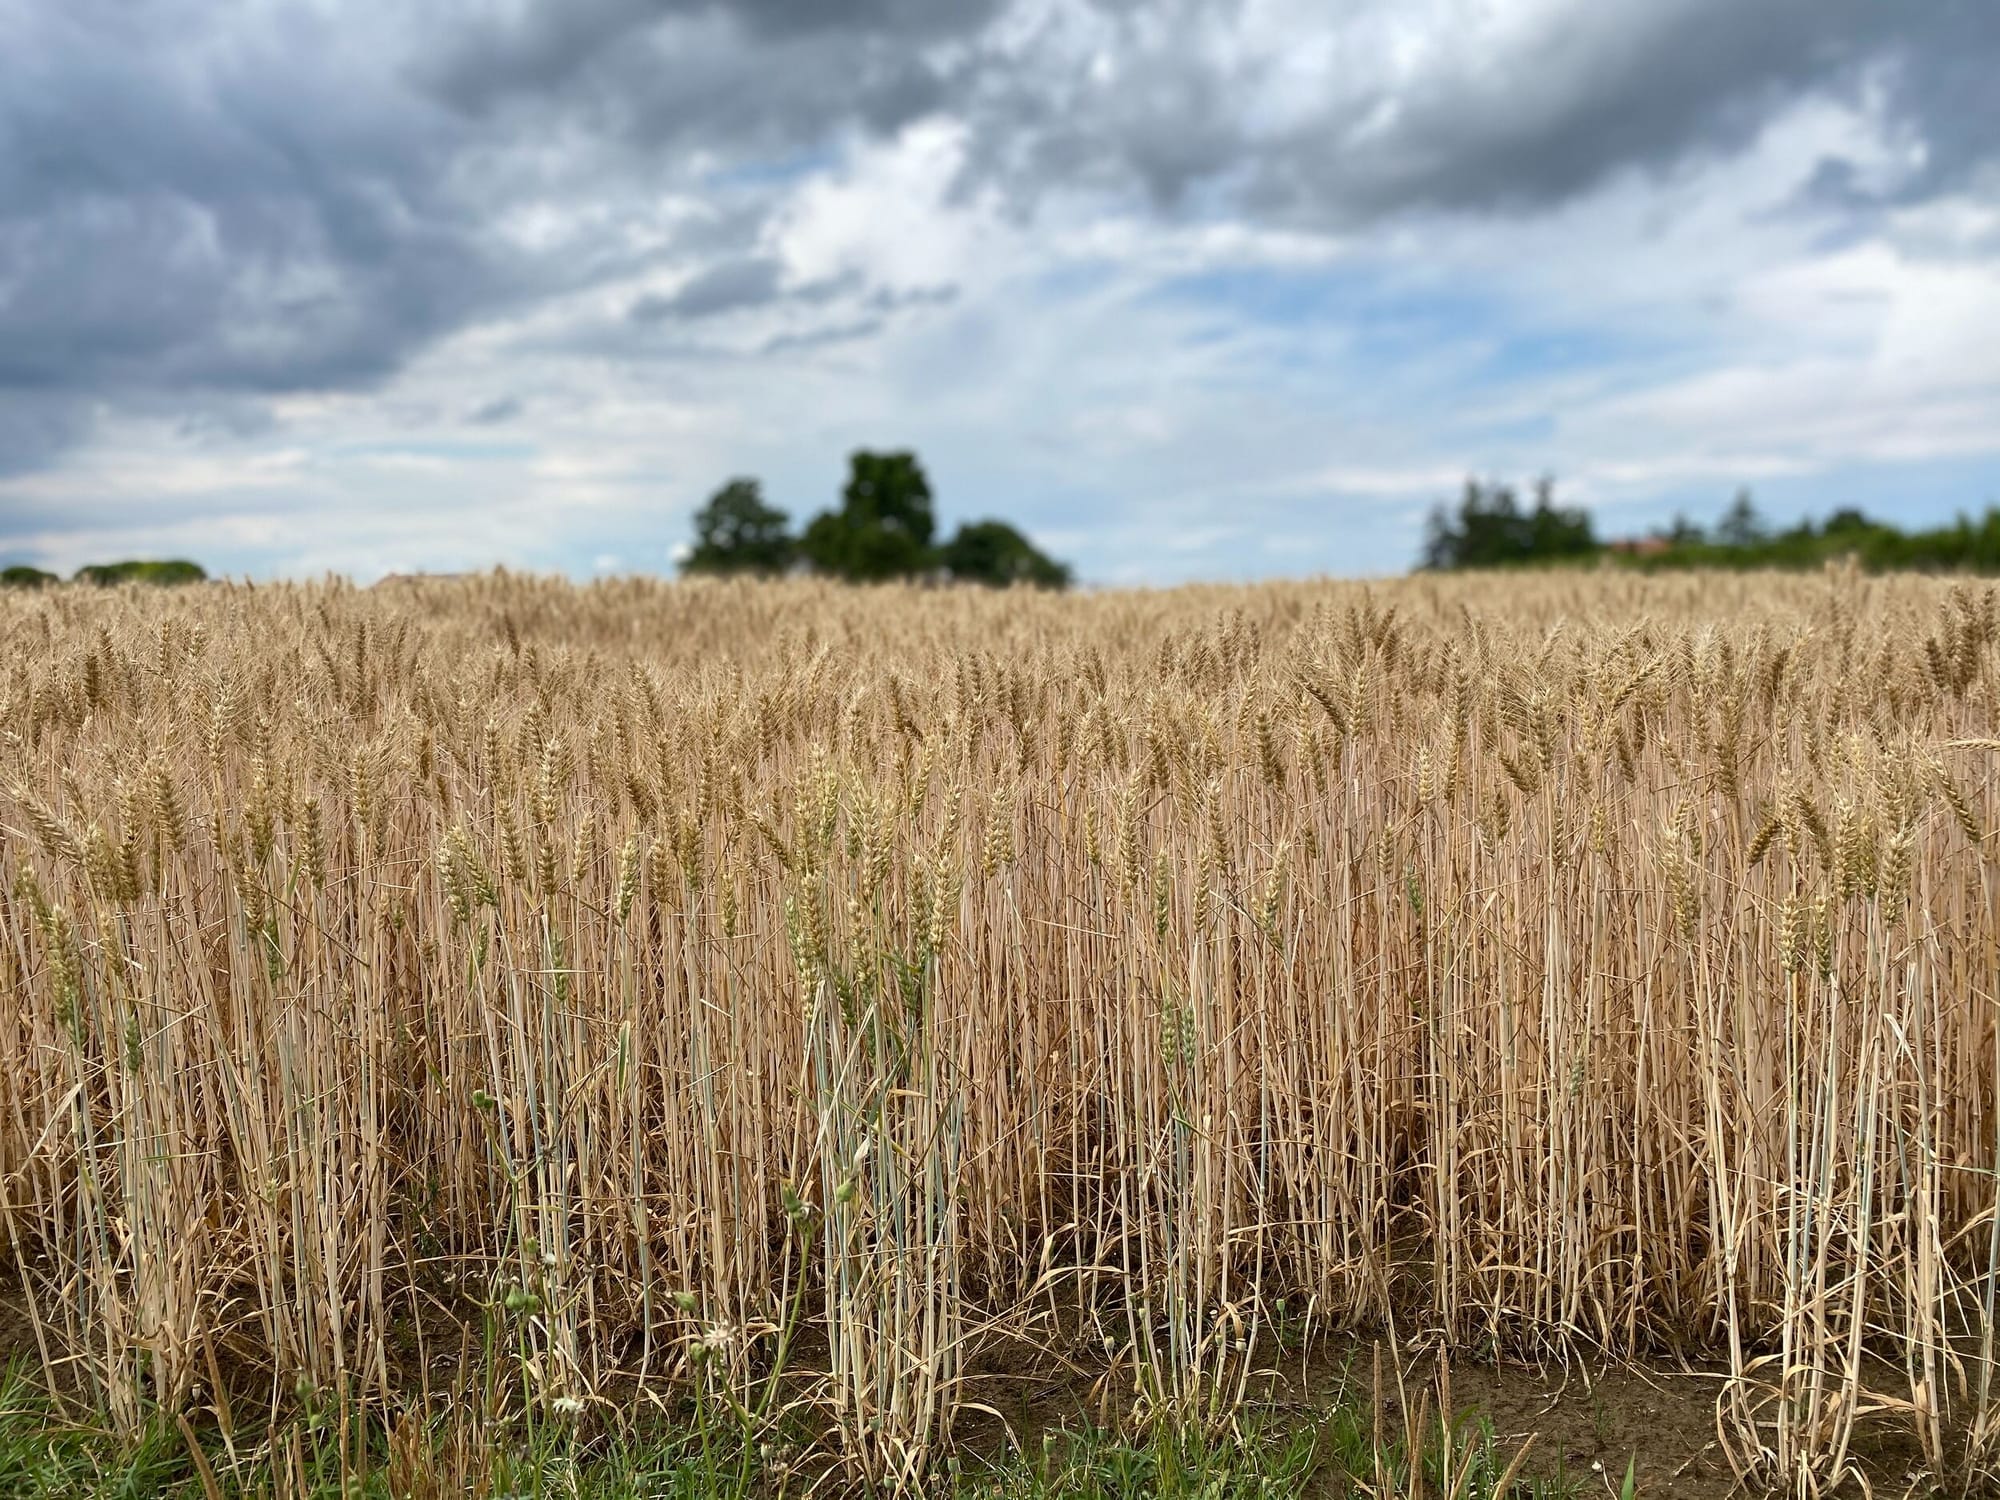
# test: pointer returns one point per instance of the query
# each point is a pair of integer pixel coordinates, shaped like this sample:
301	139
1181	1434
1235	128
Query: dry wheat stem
1544	962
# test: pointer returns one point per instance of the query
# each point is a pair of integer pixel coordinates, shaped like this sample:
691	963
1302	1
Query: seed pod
1273	892
312	839
1793	934
1206	872
1897	865
944	895
1767	832
169	818
1959	804
628	875
998	849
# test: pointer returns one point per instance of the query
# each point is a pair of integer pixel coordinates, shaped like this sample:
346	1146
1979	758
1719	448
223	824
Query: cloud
545	47
494	413
248	213
725	83
34	429
722	288
1100	256
820	338
1457	105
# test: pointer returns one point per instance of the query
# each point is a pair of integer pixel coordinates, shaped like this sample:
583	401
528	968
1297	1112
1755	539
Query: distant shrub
1490	527
1966	545
993	552
174	570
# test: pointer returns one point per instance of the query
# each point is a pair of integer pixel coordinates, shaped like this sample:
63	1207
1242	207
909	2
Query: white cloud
1182	289
885	214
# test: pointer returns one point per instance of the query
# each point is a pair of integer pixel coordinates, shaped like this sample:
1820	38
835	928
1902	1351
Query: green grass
1257	1458
44	1454
1262	1454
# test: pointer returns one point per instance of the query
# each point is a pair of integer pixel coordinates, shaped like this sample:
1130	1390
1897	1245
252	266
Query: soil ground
1587	1420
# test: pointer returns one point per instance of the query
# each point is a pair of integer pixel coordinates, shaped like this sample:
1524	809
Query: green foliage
172	571
1966	545
1253	1460
883	529
736	532
1491	529
1740	525
467	1441
993	552
1682	532
45	1455
884	526
135	570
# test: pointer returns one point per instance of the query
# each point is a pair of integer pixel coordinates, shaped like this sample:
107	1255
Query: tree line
1492	526
170	571
884	528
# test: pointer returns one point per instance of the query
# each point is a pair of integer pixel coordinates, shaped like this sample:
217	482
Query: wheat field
698	977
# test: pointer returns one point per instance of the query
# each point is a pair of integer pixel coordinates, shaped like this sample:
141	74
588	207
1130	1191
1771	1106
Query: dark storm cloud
34	429
214	203
758	281
1654	96
245	219
694	81
1599	90
186	209
723	288
215	200
1642	92
1944	79
547	46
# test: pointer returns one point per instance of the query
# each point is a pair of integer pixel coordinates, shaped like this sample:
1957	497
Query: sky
1183	288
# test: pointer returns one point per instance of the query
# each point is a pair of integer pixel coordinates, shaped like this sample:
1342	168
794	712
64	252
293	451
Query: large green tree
736	532
994	552
1491	528
884	526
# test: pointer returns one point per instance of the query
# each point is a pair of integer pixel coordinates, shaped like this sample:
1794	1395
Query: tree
993	552
172	571
1740	525
21	576
1557	531
1490	529
884	526
736	532
1682	532
1472	536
